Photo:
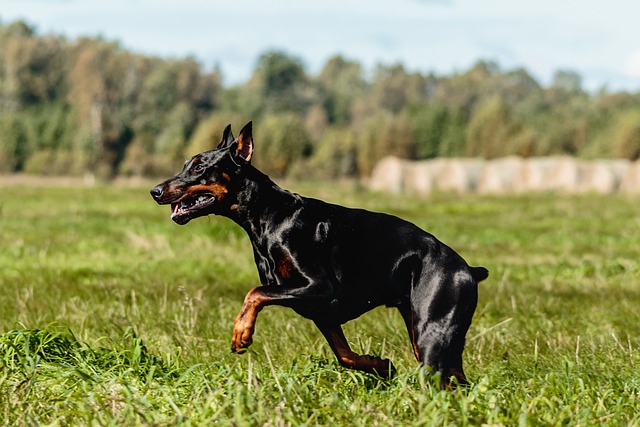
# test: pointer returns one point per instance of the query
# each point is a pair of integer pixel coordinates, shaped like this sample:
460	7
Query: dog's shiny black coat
330	263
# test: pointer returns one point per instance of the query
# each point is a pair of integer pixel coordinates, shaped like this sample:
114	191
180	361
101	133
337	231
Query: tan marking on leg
351	360
245	322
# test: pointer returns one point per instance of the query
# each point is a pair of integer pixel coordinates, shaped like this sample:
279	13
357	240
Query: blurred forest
71	107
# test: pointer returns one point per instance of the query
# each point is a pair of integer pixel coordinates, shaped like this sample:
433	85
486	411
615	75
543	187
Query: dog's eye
198	169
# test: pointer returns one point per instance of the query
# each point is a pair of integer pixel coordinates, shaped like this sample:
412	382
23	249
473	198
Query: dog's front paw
242	339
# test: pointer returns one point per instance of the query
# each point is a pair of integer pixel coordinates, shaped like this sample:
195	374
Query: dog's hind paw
375	365
385	369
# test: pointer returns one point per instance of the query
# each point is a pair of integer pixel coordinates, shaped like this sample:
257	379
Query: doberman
331	263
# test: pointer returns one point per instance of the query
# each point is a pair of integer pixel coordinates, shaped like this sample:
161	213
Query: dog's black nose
156	192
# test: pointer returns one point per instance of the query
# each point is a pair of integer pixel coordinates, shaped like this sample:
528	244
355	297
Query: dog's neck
258	198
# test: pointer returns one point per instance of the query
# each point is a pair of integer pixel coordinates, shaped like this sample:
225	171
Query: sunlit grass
111	315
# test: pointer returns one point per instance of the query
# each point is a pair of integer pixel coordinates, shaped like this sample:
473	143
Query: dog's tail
479	273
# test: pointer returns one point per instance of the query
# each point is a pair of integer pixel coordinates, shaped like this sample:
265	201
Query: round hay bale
498	176
562	175
532	175
459	175
387	175
602	176
419	176
631	180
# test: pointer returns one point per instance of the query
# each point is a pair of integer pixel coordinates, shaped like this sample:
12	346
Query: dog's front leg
245	322
261	296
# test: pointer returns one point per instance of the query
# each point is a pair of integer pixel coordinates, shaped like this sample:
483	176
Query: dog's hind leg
442	307
440	348
351	360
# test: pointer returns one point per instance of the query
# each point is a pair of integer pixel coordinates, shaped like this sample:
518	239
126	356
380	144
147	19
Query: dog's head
206	184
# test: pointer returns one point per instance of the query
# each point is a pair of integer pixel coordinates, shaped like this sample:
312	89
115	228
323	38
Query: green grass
110	314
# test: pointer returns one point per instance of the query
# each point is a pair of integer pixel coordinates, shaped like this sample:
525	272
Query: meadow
110	314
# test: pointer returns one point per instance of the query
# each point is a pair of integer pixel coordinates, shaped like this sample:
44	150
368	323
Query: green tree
208	132
32	68
383	135
278	84
341	82
95	79
336	155
13	143
491	130
281	142
171	141
626	140
454	138
461	92
393	88
567	81
69	106
430	126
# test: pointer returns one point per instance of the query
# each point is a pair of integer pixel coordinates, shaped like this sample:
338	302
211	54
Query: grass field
110	314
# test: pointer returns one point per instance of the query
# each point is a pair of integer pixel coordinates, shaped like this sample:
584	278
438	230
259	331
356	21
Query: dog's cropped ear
227	137
244	145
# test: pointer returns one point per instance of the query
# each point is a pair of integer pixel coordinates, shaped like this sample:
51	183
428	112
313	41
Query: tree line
87	105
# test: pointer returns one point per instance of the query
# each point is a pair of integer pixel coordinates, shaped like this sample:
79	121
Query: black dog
330	263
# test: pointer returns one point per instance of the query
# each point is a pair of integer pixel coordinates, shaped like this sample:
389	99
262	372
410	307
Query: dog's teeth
187	205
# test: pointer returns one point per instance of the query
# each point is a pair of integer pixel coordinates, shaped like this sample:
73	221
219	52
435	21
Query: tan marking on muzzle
218	190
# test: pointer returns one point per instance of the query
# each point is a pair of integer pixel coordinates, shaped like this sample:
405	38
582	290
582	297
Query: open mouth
191	207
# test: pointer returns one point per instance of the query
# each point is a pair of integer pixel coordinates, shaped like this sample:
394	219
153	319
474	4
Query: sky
600	40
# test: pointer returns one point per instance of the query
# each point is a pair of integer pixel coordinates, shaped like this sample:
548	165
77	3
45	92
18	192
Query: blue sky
598	39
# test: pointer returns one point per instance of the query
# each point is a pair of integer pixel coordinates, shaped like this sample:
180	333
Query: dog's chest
275	263
288	256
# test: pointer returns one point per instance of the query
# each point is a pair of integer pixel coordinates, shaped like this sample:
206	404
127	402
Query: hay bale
532	174
498	176
602	176
562	175
419	176
539	174
631	180
506	175
459	175
388	175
